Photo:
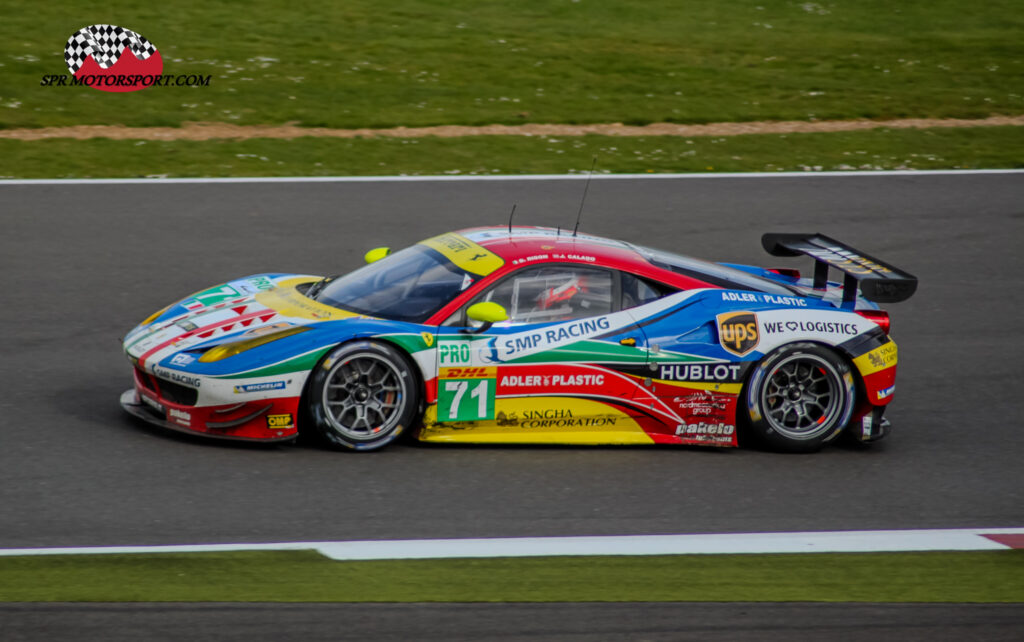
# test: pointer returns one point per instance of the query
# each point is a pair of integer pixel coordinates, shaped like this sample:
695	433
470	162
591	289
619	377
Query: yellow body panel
540	420
724	388
882	357
287	301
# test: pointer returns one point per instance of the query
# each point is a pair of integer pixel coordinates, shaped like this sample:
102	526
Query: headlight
226	350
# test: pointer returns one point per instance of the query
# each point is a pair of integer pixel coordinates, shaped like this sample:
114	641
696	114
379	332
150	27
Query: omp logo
276	422
737	332
112	57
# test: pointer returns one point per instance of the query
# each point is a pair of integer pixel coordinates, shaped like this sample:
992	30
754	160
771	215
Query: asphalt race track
586	622
85	263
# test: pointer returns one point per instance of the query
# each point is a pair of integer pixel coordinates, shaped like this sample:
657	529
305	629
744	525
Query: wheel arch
415	369
840	351
744	420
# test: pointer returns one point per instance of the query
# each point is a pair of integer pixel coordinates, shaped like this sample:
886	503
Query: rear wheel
800	397
362	396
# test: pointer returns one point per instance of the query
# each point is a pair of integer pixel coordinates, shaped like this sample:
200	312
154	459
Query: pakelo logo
705	429
737	332
112	58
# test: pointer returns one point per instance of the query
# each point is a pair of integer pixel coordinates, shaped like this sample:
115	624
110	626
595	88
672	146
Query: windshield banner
466	254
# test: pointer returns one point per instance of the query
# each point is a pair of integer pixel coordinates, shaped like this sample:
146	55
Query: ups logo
737	332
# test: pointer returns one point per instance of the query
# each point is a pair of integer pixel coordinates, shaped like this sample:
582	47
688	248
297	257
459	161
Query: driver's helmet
562	294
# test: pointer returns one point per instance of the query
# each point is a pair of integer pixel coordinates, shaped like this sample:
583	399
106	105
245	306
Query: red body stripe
202	332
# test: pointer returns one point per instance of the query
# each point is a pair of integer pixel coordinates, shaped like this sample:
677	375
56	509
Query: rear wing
877	281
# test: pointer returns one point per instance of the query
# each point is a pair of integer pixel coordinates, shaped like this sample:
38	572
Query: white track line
503	177
963	539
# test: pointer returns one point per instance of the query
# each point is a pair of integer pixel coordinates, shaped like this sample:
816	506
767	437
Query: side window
549	294
638	291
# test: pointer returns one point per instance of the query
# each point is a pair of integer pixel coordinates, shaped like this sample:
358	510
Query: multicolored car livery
531	335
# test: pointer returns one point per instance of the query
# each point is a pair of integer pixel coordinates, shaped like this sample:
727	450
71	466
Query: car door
688	377
541	376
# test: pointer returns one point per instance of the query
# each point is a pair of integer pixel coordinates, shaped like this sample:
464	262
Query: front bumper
267	421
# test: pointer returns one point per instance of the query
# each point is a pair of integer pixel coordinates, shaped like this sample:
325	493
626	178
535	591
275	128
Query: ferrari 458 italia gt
532	335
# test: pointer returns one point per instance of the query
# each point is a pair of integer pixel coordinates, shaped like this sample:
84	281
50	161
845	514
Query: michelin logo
259	387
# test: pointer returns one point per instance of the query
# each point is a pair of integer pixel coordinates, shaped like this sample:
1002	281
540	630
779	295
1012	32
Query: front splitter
134	406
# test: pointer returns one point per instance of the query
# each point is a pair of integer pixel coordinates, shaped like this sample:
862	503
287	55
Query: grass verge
363	63
982	147
306	576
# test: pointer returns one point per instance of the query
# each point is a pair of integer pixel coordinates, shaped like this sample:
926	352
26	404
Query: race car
532	335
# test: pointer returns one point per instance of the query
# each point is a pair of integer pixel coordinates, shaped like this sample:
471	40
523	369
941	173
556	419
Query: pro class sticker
737	332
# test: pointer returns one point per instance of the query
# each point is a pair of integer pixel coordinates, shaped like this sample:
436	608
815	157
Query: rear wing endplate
877	280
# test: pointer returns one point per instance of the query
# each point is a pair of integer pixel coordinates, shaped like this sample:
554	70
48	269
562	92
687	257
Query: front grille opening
176	393
145	379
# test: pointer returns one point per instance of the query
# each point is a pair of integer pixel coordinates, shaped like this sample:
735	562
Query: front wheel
800	397
362	396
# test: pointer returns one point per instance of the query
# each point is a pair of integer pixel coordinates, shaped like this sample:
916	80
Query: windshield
409	286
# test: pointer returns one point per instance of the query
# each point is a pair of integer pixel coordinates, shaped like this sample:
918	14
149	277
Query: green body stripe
411	343
602	350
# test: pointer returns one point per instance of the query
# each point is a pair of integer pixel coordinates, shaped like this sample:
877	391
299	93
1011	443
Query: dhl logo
469	373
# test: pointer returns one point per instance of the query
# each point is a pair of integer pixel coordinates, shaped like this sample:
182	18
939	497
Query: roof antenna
584	199
510	219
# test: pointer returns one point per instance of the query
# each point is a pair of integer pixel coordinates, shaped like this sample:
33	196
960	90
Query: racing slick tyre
362	396
799	397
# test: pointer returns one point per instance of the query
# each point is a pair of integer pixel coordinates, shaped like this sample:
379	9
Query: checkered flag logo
105	43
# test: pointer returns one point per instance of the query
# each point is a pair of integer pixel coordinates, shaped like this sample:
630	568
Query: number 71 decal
465	394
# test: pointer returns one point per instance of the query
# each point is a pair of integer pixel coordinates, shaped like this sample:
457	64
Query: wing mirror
487	313
376	254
